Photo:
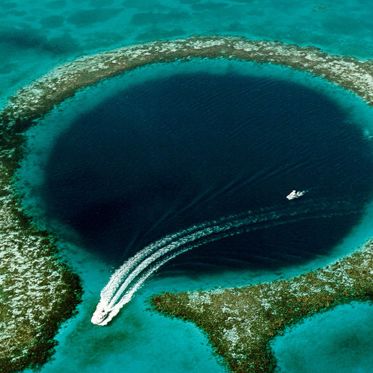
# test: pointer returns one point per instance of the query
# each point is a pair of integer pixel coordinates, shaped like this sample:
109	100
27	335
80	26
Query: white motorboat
294	194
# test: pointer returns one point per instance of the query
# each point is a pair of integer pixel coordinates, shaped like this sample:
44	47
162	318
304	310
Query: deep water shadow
173	152
22	38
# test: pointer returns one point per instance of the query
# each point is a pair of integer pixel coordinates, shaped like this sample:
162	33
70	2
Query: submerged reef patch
241	322
38	292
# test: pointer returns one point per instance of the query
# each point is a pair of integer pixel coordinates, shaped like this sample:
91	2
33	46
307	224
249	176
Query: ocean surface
344	350
37	35
140	156
161	156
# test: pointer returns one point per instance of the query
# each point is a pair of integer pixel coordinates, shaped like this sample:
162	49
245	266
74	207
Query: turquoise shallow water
37	35
140	339
321	345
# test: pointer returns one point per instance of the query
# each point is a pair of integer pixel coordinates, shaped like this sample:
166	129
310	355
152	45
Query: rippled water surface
173	152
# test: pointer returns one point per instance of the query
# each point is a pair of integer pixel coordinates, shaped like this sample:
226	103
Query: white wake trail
110	289
124	283
132	267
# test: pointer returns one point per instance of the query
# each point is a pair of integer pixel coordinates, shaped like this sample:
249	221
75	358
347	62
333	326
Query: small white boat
294	194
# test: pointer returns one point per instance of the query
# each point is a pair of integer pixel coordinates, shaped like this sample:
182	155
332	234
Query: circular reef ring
46	291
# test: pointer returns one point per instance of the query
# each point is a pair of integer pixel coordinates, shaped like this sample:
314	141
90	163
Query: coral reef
240	322
38	292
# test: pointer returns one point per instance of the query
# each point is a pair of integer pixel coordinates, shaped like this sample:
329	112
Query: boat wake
128	278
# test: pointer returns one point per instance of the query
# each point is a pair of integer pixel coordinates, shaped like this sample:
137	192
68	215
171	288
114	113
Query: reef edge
37	290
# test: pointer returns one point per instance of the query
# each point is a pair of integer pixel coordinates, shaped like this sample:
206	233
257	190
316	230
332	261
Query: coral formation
37	292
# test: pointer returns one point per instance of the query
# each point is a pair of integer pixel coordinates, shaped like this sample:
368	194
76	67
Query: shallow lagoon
37	35
341	340
145	328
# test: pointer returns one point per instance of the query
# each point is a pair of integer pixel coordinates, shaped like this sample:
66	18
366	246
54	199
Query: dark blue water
169	153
